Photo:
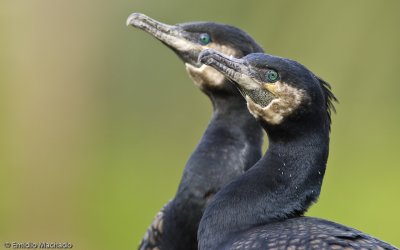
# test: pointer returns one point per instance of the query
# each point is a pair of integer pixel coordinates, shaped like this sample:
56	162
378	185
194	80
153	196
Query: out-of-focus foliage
98	119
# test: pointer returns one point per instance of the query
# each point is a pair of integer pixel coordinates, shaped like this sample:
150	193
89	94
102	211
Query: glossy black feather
263	208
306	233
230	145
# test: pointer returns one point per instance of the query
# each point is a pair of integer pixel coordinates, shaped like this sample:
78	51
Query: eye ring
204	39
272	76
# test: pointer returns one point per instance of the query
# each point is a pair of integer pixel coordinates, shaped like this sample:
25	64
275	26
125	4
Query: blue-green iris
272	76
204	39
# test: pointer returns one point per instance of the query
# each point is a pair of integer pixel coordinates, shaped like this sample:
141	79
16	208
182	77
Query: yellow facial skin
271	87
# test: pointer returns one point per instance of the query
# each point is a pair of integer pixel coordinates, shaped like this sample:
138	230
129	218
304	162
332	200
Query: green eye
272	76
204	39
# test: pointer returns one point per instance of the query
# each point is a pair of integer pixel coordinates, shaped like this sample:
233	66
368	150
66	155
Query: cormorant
264	207
232	141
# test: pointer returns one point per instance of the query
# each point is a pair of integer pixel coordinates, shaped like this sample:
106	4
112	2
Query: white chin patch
205	76
287	101
182	45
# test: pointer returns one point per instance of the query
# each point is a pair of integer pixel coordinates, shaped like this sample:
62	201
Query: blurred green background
98	119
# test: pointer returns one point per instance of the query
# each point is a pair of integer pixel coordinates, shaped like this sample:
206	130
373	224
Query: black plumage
231	143
263	208
307	233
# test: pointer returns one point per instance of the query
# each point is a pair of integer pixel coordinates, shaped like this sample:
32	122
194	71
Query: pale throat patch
287	100
205	76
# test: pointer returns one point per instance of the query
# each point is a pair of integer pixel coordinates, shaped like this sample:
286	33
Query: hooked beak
235	69
171	35
239	71
159	30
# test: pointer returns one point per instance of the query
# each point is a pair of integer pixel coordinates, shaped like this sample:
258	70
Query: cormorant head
187	40
278	90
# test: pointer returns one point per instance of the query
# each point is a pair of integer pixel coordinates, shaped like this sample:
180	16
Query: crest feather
330	98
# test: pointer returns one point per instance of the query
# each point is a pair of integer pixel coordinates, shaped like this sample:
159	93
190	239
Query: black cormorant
263	208
232	141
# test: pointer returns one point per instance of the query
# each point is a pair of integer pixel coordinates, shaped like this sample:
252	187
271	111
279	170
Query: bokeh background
98	119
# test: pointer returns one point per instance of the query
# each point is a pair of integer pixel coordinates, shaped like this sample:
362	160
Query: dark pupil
272	75
204	38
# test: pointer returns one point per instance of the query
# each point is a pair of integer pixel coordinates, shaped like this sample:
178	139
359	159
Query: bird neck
233	136
225	103
283	184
